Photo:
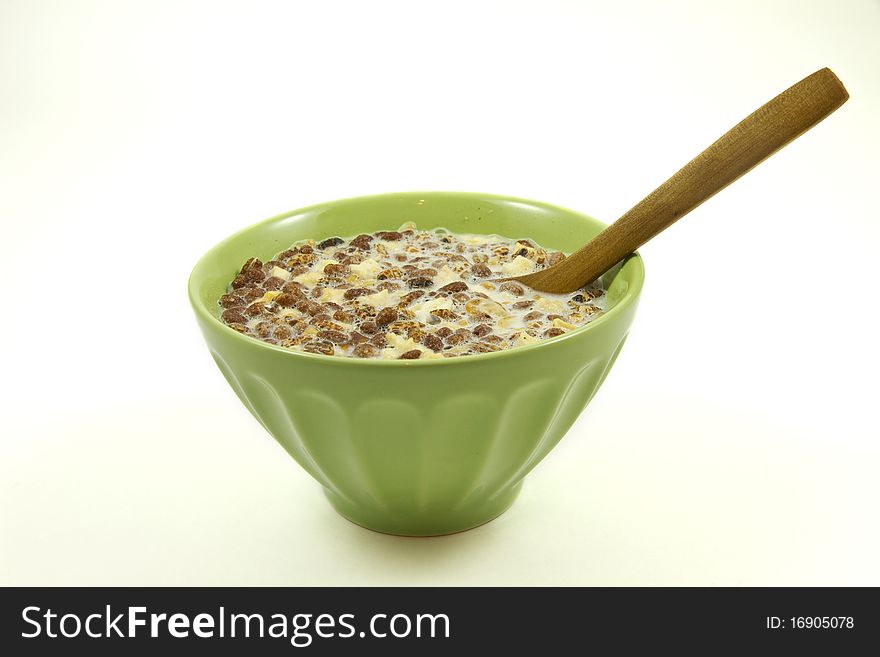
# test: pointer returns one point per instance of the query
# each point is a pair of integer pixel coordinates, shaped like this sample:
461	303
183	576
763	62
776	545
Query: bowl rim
629	298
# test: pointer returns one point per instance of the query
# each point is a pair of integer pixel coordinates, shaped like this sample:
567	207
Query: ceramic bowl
417	447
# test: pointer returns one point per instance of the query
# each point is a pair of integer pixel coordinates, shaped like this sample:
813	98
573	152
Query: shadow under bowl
417	448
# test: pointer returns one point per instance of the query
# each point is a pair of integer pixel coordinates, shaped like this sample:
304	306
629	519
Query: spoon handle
755	138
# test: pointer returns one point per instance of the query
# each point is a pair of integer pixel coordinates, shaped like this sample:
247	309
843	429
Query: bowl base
430	523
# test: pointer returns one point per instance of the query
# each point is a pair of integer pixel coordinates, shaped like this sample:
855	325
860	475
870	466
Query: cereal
420	281
273	283
250	293
445	313
483	307
481	330
333	241
252	264
432	342
455	286
386	316
481	271
232	301
336	337
394	272
233	316
337	271
404	294
255	309
365	350
485	347
356	292
322	347
408	298
513	288
362	242
456	338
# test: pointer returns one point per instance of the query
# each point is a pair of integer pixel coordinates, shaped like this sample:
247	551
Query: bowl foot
427	523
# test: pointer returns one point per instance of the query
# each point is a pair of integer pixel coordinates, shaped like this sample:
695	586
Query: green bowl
417	448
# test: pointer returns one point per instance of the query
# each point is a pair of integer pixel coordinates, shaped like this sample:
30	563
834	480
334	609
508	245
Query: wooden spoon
755	138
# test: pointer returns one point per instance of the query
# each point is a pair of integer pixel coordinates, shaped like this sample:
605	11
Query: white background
735	441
